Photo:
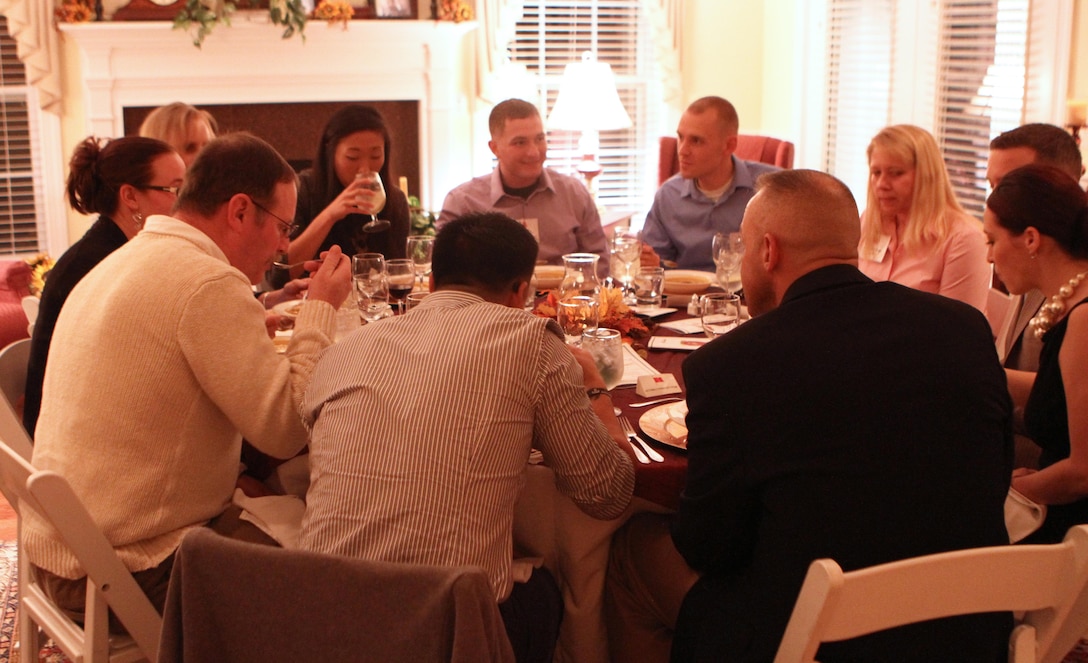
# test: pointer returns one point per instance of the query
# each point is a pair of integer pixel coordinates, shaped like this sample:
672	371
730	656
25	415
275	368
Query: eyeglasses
168	189
286	227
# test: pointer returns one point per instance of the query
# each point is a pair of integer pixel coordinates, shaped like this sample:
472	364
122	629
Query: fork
629	431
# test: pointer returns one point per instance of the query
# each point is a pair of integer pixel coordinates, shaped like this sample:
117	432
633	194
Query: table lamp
588	102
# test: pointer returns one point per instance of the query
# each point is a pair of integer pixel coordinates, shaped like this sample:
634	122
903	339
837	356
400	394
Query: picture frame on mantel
395	9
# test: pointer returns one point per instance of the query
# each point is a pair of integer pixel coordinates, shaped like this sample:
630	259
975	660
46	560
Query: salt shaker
693	305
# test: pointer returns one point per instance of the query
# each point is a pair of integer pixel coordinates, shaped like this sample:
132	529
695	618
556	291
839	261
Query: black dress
102	239
1046	419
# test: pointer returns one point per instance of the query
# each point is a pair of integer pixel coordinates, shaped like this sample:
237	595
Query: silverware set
643	452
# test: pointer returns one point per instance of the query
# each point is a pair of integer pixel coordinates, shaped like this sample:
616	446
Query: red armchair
750	148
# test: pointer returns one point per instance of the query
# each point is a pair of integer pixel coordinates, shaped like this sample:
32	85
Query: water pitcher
580	276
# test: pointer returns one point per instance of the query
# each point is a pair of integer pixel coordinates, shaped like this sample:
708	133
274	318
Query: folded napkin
278	516
685	326
634	367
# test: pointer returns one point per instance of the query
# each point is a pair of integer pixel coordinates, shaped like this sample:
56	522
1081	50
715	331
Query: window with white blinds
18	207
968	75
860	46
553	33
982	56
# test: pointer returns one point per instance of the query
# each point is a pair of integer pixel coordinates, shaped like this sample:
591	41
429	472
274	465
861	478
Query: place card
634	367
676	343
657	385
685	326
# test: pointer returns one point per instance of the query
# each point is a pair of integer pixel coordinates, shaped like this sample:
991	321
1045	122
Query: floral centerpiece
39	270
611	313
421	221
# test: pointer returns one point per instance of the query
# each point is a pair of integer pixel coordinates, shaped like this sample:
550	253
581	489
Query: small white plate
288	309
656	423
687	281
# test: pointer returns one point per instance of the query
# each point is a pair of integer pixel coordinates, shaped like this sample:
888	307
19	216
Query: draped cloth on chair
30	23
236	601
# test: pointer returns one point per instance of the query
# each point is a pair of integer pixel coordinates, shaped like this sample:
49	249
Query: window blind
18	181
982	57
860	48
553	33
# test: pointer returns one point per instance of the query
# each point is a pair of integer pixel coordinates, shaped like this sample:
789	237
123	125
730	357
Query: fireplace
418	73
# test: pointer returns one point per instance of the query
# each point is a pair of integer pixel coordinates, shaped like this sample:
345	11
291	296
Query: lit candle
404	184
1076	113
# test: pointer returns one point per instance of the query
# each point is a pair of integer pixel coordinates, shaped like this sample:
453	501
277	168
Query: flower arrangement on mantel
201	18
451	10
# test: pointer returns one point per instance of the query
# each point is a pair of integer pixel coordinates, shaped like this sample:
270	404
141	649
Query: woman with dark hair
355	140
124	181
1036	222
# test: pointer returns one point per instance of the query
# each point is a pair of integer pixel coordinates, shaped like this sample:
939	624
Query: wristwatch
596	391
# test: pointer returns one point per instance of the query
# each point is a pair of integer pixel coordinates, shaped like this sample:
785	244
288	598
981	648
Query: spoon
283	265
655	401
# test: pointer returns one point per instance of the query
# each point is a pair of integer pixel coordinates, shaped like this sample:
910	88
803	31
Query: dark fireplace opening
295	129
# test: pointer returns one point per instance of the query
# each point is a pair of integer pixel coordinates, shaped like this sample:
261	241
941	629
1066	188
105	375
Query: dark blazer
861	421
101	239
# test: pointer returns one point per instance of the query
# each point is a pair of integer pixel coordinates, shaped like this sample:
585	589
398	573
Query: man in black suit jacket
861	421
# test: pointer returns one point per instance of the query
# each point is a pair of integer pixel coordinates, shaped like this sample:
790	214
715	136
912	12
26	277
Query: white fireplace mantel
138	64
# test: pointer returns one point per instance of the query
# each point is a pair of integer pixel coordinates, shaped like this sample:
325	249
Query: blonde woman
183	127
913	230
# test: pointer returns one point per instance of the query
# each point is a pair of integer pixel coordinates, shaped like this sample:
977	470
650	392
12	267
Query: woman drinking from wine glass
124	181
1036	222
913	230
334	198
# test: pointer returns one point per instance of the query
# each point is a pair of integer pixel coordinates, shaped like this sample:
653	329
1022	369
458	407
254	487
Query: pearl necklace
1050	312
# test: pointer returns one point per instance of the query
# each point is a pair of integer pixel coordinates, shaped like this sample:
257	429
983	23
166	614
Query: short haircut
485	250
1052	145
816	214
933	206
511	109
1045	198
229	165
727	113
99	167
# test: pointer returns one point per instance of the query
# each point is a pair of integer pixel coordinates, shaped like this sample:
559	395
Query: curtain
31	25
666	19
498	21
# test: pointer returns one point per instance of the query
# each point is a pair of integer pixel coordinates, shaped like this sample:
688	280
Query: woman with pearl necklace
1036	223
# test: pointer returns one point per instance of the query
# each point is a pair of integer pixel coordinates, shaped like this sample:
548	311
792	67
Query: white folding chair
110	586
1047	583
13	362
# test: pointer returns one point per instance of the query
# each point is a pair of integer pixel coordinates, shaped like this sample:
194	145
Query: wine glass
720	313
627	247
400	275
372	296
373	204
420	248
606	347
727	249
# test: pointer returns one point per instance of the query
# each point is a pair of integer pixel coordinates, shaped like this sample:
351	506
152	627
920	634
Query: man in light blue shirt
709	193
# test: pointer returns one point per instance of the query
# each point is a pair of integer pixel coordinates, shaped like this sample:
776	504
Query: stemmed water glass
727	250
400	275
373	204
368	281
627	247
420	248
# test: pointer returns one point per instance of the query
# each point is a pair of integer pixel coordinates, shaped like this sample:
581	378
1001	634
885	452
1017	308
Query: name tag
533	226
879	250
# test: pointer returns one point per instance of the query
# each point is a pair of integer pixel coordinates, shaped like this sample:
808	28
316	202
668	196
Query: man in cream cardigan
161	363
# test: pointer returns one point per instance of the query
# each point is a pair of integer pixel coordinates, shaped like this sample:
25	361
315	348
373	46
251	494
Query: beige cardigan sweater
160	364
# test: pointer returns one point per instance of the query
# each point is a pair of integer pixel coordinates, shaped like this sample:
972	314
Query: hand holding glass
606	347
374	203
720	313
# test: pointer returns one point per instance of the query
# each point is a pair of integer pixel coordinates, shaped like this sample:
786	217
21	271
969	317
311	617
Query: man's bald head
798	221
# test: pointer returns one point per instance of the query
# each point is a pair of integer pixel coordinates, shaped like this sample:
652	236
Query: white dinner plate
687	281
548	277
656	423
289	309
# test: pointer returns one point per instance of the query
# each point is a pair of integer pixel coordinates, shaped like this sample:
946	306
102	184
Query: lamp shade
588	100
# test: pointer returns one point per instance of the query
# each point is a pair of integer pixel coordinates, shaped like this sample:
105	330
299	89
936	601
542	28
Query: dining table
575	547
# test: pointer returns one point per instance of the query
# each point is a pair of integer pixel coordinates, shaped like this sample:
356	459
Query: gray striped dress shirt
421	428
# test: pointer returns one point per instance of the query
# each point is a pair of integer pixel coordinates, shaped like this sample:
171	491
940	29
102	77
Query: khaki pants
71	595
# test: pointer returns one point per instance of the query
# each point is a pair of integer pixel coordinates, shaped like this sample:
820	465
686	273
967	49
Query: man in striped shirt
421	426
